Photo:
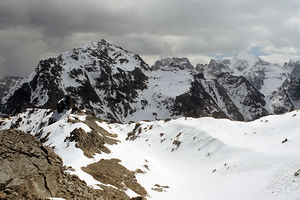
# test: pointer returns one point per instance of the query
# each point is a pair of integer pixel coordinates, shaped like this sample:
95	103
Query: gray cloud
34	29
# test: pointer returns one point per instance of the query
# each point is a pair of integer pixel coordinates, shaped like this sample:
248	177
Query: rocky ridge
31	160
30	170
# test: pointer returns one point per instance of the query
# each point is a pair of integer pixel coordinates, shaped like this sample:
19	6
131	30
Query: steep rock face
279	101
221	97
294	85
249	101
287	97
227	96
197	102
7	83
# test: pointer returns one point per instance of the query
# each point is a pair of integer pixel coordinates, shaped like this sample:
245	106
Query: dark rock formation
93	141
120	177
227	96
197	102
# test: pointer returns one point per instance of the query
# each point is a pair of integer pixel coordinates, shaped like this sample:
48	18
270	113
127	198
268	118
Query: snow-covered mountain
287	97
186	158
277	83
265	76
119	86
101	77
7	83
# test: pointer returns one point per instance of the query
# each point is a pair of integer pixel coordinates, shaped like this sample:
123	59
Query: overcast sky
198	29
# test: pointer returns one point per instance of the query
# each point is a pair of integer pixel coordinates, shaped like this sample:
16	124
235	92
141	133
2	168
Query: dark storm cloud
34	29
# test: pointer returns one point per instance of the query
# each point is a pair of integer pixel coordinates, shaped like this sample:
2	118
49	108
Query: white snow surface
216	159
163	87
201	158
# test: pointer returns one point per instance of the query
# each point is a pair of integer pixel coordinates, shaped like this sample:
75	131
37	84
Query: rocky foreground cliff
31	168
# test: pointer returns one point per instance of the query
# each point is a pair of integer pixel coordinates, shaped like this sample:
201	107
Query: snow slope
161	93
188	158
215	159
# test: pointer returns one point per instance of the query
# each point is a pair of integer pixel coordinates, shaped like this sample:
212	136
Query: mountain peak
102	44
101	52
98	70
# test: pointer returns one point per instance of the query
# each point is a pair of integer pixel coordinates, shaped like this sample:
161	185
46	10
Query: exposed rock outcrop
111	172
30	170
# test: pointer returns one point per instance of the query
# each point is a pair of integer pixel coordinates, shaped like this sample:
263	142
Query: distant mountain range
119	86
